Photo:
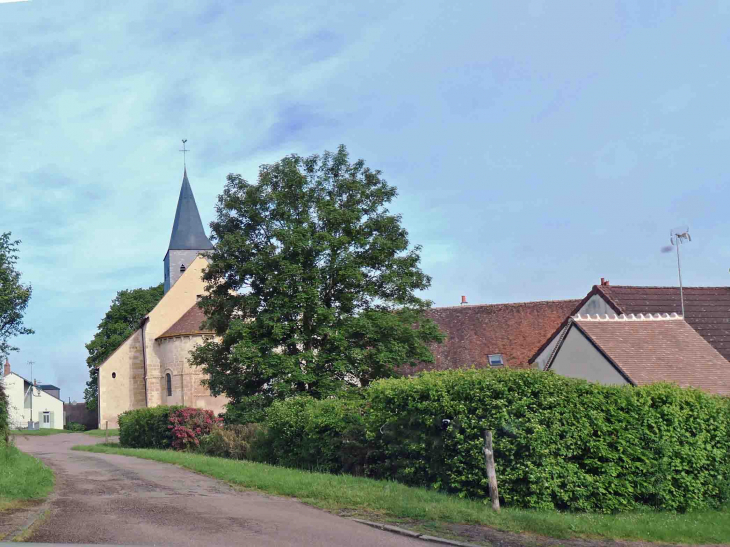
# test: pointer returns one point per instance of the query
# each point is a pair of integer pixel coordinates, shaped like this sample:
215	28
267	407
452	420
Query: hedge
146	427
4	413
559	443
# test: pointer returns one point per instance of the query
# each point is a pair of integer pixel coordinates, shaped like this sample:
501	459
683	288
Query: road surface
118	500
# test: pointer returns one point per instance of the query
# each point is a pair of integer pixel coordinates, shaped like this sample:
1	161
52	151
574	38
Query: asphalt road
117	500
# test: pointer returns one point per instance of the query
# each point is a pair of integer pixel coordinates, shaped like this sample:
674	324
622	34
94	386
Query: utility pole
32	381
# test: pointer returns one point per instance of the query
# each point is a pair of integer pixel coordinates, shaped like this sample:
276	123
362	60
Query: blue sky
537	146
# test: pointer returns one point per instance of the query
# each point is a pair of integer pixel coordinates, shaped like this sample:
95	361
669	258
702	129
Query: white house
28	404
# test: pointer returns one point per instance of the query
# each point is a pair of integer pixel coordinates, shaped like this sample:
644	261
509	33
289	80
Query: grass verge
393	502
22	478
38	432
102	432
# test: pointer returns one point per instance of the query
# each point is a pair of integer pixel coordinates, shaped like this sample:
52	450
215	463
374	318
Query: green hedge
327	435
146	427
4	414
559	443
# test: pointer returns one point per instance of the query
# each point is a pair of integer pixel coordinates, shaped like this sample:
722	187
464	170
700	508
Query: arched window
182	268
168	377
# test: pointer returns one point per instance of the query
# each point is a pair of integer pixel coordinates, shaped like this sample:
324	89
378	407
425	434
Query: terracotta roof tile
660	349
707	309
189	323
476	331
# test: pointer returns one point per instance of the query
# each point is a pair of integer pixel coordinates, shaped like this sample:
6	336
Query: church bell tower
188	236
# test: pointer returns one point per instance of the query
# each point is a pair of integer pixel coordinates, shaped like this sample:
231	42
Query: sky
537	146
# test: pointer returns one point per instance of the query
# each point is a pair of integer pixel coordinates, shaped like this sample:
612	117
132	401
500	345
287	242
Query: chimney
463	300
604	282
6	371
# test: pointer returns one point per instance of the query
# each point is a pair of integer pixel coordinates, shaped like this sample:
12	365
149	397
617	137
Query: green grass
390	501
22	477
102	432
38	432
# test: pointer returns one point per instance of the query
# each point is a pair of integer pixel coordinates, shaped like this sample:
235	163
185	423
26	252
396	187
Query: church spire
187	230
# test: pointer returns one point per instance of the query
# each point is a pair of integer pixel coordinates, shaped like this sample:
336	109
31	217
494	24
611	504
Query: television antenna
677	237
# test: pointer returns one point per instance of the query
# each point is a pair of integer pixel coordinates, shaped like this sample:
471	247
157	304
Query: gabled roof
187	230
189	324
706	309
475	331
650	349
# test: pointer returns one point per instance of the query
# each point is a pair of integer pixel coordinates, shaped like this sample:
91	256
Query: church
150	368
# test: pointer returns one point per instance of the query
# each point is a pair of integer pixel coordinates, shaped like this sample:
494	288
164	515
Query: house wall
20	412
127	390
543	357
121	381
577	357
596	305
174	354
179	299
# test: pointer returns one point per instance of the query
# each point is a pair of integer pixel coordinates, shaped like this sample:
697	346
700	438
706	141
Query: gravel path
109	499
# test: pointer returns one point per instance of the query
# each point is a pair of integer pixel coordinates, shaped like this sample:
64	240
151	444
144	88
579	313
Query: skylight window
496	360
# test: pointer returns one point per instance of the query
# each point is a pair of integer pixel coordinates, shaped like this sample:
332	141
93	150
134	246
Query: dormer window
182	268
496	360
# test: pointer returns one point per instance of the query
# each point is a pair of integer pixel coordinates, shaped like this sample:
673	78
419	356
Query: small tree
14	295
312	283
123	318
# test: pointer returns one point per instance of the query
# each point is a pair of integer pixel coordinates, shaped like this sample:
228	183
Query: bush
323	435
237	442
248	410
146	427
4	414
559	443
74	426
188	425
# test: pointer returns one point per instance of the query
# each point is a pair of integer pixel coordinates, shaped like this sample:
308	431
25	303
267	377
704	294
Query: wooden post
106	434
491	471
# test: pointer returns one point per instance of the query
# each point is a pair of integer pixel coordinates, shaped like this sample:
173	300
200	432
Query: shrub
324	435
146	427
4	414
238	442
74	426
559	443
188	425
248	410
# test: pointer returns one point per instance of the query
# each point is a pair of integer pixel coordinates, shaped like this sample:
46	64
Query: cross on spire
184	151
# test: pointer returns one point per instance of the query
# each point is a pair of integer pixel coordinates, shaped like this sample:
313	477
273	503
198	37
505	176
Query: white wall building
47	409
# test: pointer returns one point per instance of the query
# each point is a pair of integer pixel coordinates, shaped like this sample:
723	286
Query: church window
182	268
114	374
168	377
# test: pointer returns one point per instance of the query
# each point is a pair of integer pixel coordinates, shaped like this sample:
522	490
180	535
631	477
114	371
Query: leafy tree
14	296
122	319
312	283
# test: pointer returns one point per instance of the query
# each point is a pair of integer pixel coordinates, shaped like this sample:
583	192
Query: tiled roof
707	309
190	323
476	331
656	349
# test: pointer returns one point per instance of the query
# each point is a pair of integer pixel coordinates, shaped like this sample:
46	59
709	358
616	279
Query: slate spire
187	230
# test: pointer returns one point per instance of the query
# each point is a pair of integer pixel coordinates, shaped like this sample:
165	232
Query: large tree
14	295
312	284
123	318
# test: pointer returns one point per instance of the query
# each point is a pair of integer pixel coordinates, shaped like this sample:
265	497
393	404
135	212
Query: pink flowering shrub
188	425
